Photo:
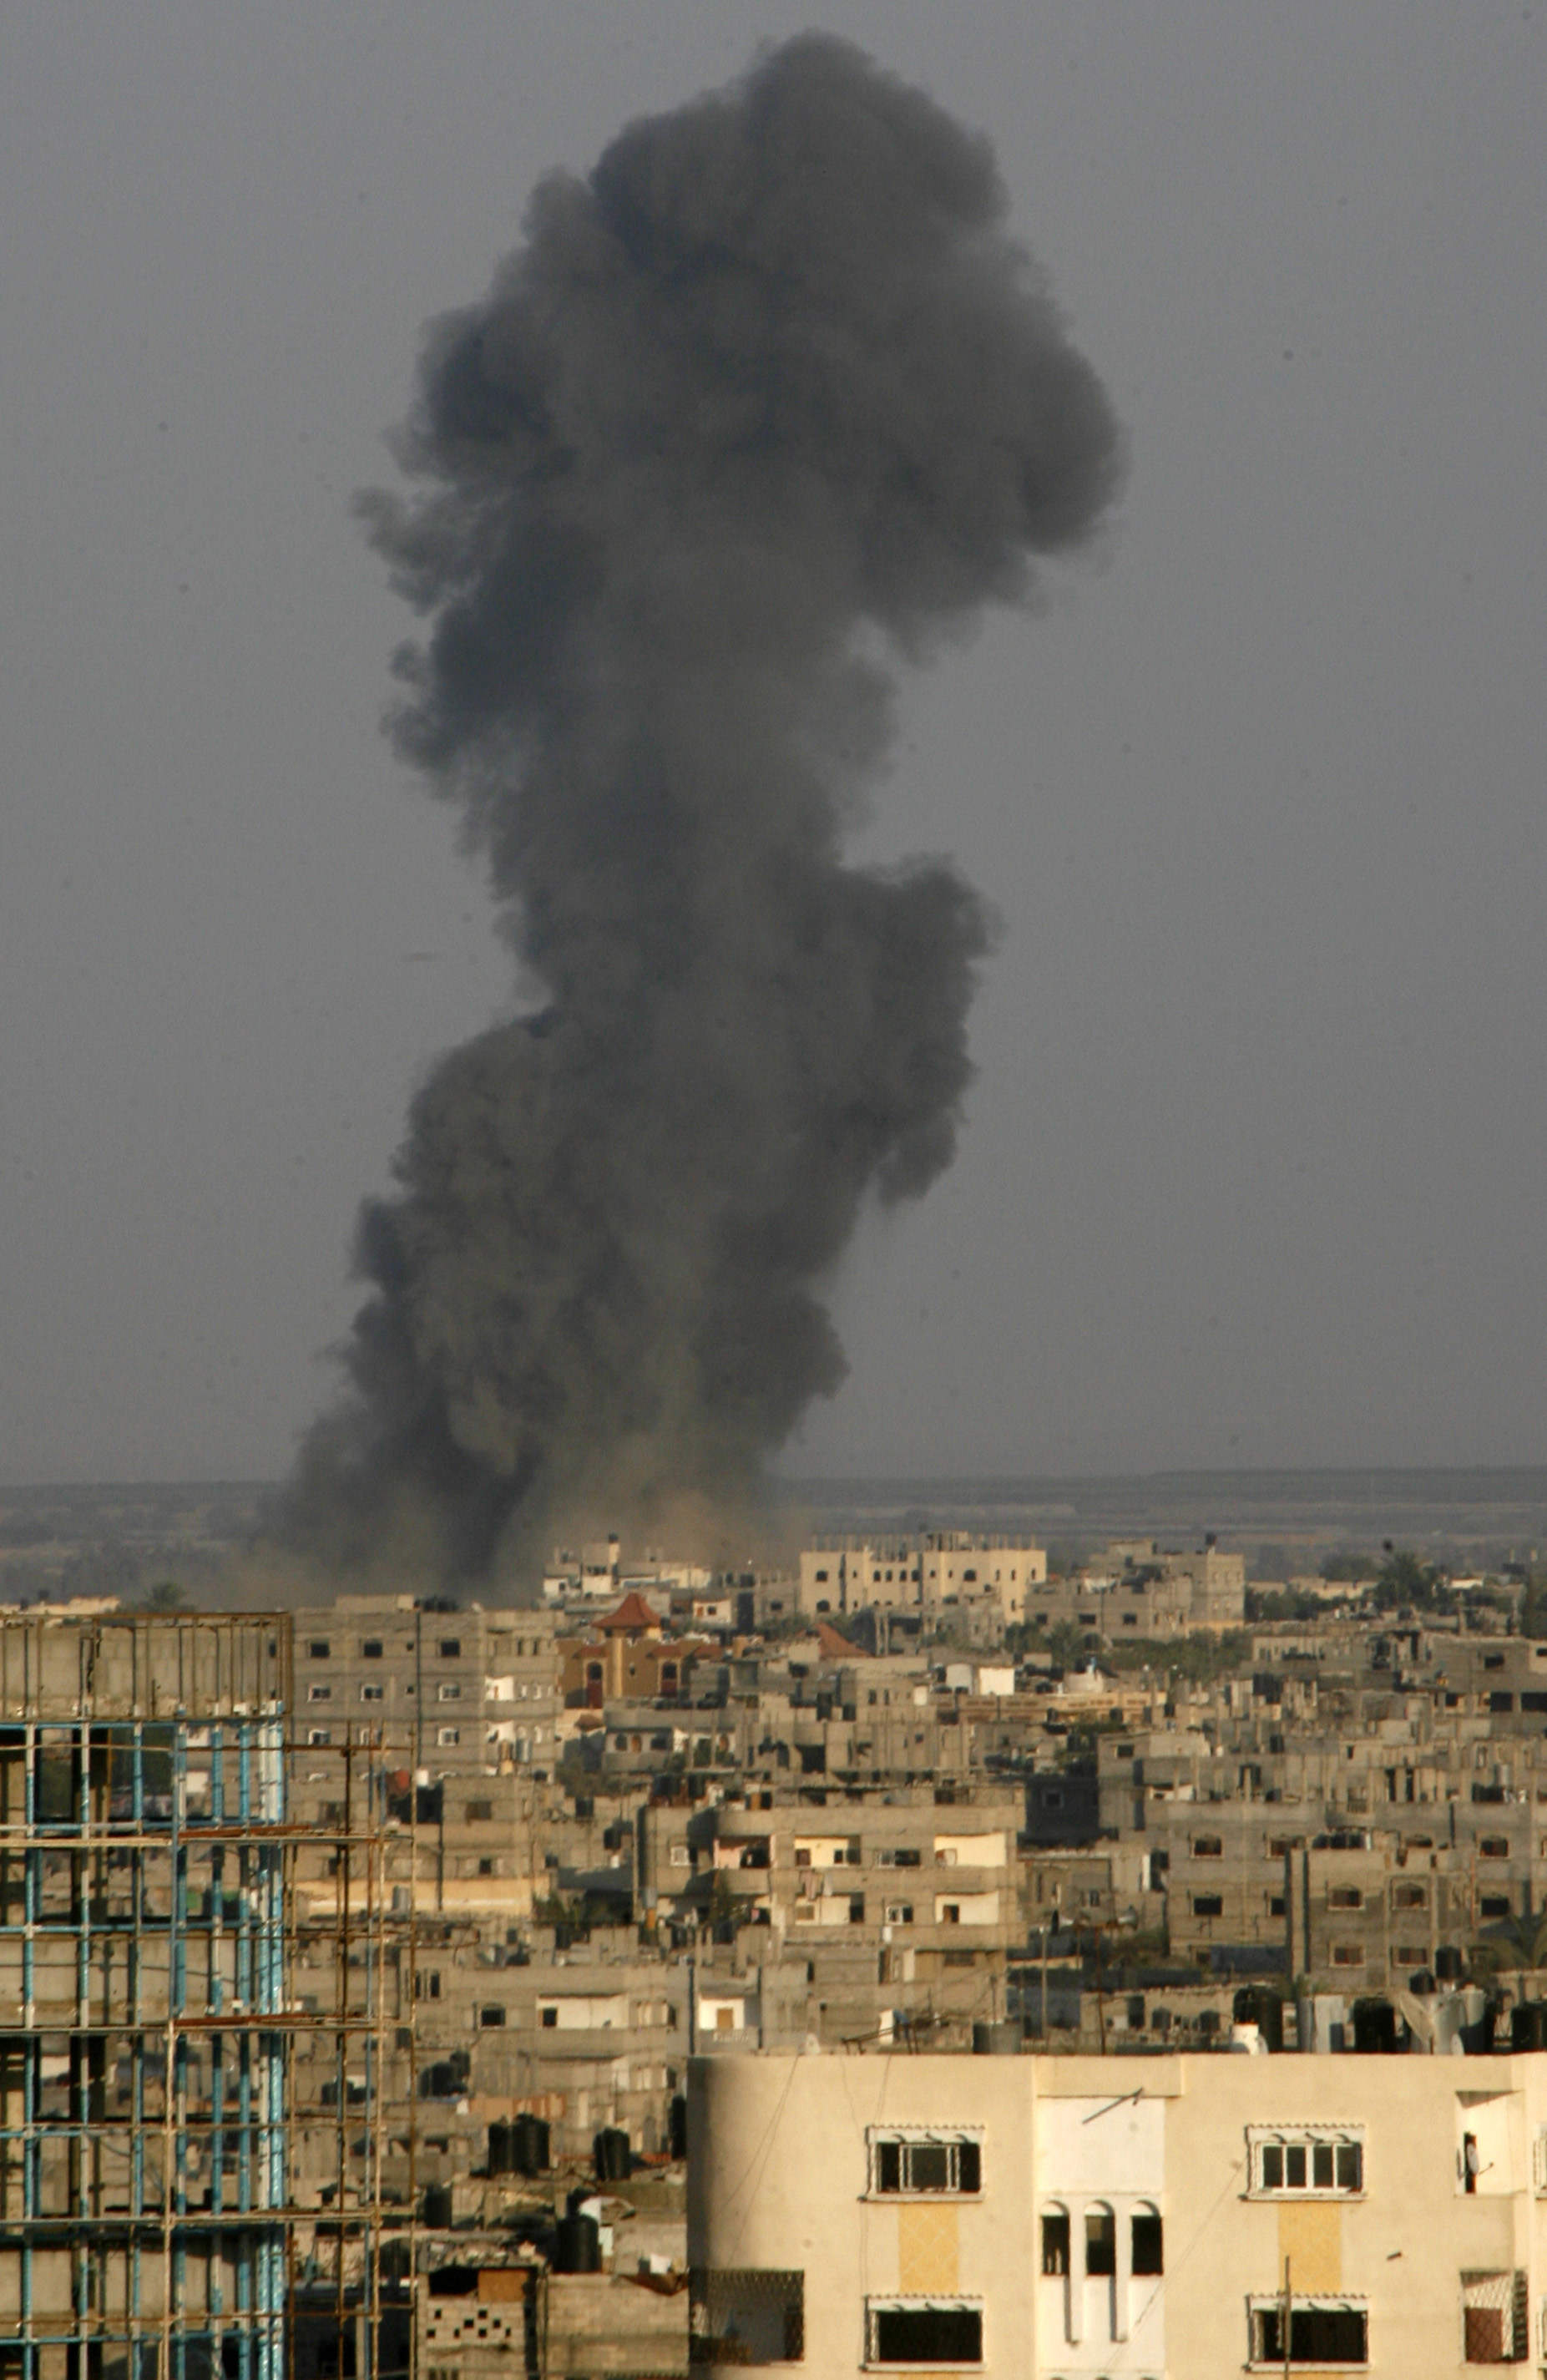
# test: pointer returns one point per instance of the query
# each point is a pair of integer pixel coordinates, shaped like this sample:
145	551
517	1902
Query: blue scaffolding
143	2150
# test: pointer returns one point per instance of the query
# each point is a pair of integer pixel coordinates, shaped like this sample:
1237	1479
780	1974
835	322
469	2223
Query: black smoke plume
768	399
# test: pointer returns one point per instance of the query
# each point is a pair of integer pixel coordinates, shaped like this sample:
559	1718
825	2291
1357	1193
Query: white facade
1074	2218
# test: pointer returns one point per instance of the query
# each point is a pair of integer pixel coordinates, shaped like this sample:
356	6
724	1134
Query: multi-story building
951	1577
1058	2216
458	1689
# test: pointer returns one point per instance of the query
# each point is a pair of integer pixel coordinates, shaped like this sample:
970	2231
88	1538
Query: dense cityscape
400	1984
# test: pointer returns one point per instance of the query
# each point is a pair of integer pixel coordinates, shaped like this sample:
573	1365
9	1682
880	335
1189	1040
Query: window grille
745	2316
912	2164
1496	2319
1316	2162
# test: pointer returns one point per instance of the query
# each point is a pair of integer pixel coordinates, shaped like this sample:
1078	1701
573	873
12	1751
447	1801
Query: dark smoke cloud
768	396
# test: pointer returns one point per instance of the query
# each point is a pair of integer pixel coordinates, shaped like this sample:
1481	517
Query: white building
1079	2217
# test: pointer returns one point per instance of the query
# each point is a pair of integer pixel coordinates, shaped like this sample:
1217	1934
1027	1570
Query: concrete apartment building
937	1574
1069	2217
919	1872
451	1689
1140	1591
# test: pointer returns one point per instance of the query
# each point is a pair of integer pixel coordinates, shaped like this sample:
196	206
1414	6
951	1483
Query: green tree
1405	1584
165	1595
1067	1645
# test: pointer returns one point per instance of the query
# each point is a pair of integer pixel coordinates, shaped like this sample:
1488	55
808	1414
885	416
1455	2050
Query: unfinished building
169	2209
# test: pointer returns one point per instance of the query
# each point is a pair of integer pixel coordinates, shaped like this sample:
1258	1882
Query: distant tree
723	1904
1068	1646
1199	1659
165	1595
1403	1583
1264	1606
1533	1607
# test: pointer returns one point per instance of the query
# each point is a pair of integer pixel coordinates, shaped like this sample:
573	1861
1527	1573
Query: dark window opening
926	2334
1101	2244
1148	2256
1055	2243
1318	2333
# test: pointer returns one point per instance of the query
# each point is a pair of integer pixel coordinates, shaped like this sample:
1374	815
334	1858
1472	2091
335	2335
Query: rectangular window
1495	2313
448	1693
490	2018
448	1735
1345	1896
450	1648
479	1812
745	2316
908	2164
1148	2245
1055	2242
1322	2330
680	1856
1208	1904
1493	1904
1410	1896
319	1651
1207	1846
319	1694
1347	1954
372	1693
372	1649
917	2331
1321	2164
319	1735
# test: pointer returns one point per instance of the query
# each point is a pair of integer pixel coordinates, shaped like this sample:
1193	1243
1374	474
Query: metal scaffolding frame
170	2207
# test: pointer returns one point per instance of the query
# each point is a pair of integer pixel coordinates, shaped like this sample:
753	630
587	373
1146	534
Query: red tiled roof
632	1613
835	1647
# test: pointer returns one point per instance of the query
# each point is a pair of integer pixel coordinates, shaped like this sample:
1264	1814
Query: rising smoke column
767	397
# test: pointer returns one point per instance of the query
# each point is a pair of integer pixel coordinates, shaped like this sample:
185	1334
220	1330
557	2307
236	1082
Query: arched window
1055	2241
1101	2242
1149	2255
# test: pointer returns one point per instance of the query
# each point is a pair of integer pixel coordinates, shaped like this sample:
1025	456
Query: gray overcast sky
1255	1165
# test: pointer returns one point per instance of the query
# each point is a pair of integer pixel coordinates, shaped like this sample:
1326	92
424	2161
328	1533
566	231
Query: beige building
1084	2216
939	1573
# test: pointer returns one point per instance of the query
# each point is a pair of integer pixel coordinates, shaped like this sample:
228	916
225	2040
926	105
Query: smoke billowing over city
755	411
